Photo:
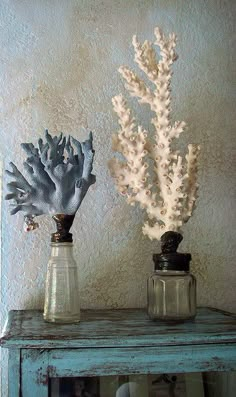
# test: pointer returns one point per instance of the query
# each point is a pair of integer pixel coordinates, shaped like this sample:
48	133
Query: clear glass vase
171	288
62	302
171	295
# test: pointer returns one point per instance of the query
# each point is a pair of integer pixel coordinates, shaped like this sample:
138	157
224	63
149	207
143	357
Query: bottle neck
62	250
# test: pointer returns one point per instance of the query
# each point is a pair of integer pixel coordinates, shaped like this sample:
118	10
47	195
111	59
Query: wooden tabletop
116	328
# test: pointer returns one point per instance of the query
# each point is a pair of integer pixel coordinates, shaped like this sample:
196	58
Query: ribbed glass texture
62	303
171	295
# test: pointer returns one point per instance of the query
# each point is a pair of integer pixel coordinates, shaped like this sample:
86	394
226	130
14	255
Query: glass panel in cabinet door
211	384
75	387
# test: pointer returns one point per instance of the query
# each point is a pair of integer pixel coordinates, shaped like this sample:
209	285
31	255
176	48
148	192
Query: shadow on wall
38	301
118	271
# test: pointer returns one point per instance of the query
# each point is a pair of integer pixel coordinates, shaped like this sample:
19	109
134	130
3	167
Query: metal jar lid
172	261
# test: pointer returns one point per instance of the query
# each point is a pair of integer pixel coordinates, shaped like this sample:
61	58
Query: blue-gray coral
57	176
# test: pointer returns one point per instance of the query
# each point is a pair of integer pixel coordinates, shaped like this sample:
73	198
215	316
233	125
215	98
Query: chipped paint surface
123	328
115	342
59	63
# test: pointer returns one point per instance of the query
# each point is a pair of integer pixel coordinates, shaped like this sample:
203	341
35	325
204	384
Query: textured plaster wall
59	63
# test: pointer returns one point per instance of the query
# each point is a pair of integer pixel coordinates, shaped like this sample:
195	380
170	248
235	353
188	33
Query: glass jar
171	288
62	303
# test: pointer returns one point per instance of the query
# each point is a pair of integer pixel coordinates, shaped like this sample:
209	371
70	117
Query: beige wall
59	63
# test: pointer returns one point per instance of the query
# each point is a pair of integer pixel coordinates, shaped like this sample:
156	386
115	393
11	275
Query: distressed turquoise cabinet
113	342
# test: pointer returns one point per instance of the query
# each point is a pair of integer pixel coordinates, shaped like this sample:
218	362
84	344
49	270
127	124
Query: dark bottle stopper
170	242
170	259
63	223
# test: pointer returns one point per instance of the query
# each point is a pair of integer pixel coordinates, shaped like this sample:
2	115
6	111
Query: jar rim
63	243
172	271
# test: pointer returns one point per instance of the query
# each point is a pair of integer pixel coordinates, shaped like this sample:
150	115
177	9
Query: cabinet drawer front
124	361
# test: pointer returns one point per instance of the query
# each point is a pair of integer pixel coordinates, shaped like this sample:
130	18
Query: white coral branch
167	192
145	57
192	185
126	121
136	86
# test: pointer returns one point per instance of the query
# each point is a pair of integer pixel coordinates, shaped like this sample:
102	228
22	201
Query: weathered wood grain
14	373
34	373
118	342
141	360
113	328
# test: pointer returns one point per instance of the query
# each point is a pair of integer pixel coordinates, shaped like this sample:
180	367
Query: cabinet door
122	372
125	372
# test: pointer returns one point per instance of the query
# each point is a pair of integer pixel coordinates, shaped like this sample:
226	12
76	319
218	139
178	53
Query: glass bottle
62	292
62	303
171	288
